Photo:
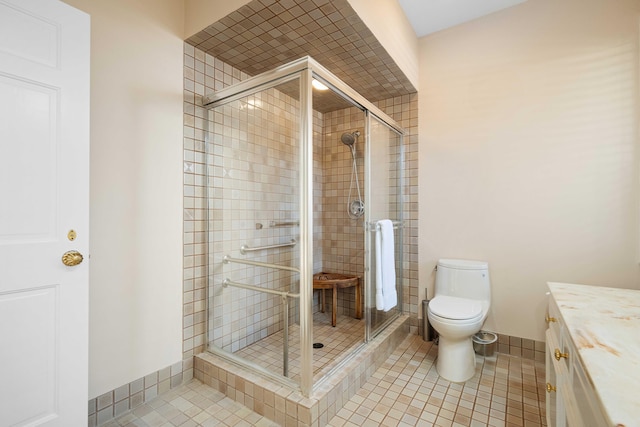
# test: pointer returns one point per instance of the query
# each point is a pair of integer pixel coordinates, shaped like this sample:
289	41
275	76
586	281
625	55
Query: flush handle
72	258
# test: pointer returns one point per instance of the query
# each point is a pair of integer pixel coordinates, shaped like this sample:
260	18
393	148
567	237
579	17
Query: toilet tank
463	278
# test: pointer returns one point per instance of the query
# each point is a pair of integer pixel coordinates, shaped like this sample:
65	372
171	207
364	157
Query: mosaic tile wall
259	158
253	180
343	247
404	110
202	74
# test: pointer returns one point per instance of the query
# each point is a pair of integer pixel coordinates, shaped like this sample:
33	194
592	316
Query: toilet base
456	359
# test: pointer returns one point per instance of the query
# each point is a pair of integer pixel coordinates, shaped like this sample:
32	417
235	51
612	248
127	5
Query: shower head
349	138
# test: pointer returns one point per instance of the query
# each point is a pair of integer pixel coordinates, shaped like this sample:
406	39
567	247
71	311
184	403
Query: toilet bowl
457	311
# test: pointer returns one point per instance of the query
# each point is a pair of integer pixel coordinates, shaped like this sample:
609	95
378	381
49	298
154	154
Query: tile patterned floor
190	405
406	391
338	341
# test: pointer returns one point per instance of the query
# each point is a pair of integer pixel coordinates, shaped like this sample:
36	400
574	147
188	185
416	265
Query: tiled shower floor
406	391
338	341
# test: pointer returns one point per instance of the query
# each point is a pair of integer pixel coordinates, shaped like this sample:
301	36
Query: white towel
386	295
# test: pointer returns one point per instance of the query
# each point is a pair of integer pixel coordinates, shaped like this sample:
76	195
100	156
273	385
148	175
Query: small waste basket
484	343
428	333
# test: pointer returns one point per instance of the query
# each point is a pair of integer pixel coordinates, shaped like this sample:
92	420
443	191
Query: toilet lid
455	308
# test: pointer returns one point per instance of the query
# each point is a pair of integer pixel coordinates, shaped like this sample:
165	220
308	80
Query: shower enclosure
285	166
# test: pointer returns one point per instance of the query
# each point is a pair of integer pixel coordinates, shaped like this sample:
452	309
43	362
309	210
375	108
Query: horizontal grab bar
271	224
228	282
244	248
227	259
284	223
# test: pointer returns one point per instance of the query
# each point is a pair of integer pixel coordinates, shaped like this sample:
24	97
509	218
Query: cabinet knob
549	319
560	355
550	388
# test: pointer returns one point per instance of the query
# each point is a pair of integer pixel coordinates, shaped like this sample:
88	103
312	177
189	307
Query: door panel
28	153
31	344
44	193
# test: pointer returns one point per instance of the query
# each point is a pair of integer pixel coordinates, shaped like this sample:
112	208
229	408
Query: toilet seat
455	308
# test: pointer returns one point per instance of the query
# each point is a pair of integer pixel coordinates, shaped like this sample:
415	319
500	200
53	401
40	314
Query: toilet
457	311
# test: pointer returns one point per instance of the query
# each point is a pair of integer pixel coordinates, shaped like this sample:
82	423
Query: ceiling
429	16
264	34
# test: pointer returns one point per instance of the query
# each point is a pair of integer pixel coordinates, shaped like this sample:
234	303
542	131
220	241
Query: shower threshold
285	405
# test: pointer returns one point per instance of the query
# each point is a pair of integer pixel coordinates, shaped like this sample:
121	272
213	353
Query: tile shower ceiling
264	34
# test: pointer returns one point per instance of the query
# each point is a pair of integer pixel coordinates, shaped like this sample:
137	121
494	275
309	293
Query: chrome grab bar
285	311
227	259
284	223
244	248
228	282
271	224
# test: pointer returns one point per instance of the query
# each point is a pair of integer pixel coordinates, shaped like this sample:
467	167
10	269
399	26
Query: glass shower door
253	194
384	194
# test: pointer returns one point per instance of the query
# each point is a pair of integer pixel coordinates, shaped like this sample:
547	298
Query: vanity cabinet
571	399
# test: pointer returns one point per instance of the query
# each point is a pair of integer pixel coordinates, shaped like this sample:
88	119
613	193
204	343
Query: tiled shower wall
202	74
253	162
343	247
404	110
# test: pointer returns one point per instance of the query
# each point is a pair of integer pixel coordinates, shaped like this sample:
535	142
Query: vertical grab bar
284	297
285	340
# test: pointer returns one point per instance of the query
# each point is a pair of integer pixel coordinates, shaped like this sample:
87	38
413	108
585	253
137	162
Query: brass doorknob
71	258
549	319
550	388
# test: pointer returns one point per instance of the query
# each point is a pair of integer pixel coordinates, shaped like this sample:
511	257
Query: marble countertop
604	325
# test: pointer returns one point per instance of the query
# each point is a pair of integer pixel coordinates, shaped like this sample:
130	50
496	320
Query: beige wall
136	189
387	21
529	151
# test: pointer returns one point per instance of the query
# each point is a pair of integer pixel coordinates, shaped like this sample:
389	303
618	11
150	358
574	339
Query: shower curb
285	406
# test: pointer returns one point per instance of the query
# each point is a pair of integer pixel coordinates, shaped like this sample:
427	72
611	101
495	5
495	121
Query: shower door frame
306	69
371	228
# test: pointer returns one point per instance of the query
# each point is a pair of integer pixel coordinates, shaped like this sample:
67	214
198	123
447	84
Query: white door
44	193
